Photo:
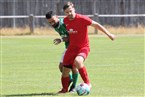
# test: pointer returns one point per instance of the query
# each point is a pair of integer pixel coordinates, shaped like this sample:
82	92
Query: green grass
29	67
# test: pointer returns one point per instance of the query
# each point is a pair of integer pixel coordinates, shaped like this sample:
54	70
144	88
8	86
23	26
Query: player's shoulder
84	19
65	18
81	16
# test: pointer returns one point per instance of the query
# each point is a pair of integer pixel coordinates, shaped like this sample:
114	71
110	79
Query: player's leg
61	66
75	78
65	79
79	63
82	69
61	61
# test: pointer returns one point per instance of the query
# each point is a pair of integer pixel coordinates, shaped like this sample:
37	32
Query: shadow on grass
32	94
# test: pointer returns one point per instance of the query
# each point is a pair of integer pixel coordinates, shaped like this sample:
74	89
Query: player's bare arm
59	40
103	29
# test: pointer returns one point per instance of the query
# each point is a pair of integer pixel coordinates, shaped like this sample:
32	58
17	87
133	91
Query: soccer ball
82	89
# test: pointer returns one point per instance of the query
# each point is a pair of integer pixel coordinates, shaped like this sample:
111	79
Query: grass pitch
29	67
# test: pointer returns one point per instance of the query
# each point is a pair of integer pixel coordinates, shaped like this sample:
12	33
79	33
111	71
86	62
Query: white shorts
61	60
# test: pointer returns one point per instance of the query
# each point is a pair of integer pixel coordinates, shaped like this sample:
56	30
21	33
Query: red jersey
78	30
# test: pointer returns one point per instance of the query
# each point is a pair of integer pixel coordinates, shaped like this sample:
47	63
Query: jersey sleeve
86	20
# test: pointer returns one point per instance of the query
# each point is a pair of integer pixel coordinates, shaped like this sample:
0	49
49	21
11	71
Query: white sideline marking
99	15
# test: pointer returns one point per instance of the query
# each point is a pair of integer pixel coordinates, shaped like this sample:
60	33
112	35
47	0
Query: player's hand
57	41
65	39
111	36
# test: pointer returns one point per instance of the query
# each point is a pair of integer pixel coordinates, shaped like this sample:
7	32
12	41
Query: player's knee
79	61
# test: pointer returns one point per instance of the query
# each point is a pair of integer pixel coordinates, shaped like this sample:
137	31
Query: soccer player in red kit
78	49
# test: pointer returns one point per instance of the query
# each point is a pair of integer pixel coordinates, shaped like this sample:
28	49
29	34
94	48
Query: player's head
52	19
69	10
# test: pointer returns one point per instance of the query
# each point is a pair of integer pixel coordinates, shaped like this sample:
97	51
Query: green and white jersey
61	29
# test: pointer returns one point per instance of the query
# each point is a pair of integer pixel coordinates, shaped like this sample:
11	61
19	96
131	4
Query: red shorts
71	54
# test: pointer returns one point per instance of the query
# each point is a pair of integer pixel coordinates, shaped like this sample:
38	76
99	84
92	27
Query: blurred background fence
25	13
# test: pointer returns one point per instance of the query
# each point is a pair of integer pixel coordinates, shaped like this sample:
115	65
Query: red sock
65	83
84	75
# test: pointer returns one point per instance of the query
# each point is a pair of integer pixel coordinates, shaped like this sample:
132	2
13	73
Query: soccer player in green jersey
59	26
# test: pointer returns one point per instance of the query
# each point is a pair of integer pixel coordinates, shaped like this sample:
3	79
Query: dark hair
66	5
49	14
